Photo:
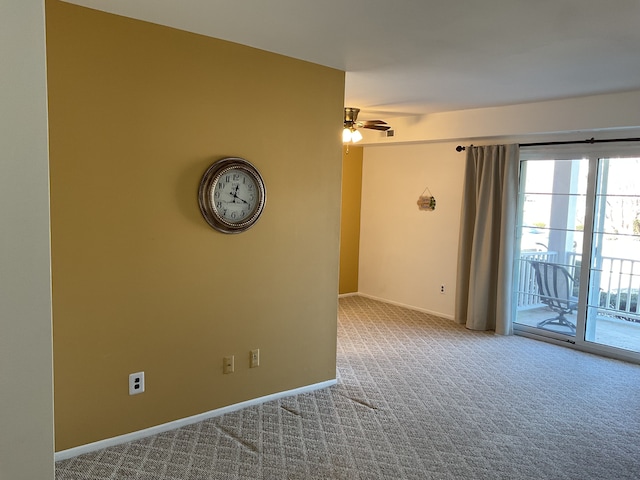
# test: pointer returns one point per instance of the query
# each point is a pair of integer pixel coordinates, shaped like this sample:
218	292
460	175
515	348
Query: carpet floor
418	397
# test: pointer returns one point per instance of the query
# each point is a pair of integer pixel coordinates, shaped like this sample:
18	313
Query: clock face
231	195
234	195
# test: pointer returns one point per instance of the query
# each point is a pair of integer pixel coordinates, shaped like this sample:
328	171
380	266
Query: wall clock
232	195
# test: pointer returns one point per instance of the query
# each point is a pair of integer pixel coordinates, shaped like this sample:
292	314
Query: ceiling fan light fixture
351	115
351	124
351	135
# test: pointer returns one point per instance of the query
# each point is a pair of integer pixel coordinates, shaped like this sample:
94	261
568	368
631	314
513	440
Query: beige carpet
418	397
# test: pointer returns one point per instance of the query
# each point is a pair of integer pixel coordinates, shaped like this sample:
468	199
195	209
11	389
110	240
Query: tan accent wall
350	219
140	282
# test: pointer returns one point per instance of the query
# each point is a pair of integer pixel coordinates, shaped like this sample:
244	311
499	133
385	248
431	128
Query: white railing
619	287
618	283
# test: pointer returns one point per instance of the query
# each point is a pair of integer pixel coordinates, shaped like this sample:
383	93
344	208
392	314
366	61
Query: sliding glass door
552	210
613	317
577	272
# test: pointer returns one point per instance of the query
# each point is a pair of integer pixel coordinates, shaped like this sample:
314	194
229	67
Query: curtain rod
460	148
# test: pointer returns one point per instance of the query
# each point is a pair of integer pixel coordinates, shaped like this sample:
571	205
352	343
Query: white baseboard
352	294
410	307
129	437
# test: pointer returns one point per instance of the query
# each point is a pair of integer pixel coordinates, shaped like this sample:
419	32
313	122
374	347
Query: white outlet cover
136	383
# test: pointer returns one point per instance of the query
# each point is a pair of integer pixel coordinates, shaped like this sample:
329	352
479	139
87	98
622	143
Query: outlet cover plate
254	358
227	364
136	383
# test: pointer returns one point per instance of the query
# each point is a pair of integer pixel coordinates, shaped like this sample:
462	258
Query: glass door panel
613	317
550	230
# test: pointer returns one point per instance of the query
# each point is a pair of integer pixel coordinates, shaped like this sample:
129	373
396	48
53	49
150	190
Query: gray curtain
487	236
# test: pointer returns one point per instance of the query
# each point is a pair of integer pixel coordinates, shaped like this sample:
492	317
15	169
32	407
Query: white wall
406	254
599	115
26	400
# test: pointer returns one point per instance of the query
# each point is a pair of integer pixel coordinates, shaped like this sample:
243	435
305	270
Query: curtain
487	237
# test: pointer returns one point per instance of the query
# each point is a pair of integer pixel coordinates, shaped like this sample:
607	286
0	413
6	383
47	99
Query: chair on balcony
555	288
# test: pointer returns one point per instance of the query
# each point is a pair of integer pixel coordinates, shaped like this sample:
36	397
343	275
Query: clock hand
234	195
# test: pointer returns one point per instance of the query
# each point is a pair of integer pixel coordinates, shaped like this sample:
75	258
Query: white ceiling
409	57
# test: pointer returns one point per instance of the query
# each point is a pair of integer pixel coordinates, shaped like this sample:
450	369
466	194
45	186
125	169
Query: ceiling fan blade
383	128
350	116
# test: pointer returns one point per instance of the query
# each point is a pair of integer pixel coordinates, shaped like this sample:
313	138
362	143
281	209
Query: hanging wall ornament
426	202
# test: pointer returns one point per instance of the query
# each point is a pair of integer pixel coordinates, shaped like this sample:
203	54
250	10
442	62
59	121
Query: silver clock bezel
207	187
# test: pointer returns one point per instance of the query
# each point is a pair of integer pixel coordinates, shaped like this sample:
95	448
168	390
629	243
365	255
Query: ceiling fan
351	124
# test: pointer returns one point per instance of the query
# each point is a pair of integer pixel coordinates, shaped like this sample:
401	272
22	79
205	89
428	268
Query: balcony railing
619	283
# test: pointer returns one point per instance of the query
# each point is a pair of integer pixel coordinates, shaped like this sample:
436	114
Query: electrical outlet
254	358
442	288
136	383
227	364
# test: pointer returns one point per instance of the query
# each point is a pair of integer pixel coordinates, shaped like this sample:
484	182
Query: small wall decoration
426	202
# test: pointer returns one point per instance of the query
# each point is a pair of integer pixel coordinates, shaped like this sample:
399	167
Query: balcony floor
609	331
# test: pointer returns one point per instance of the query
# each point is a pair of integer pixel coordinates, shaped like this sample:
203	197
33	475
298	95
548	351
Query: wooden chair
555	288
